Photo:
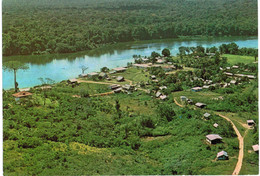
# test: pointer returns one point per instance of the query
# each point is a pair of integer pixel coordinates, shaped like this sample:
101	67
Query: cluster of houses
234	67
116	88
166	68
103	75
239	75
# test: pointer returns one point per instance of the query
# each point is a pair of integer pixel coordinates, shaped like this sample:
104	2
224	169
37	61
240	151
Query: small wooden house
222	155
45	88
200	105
127	87
118	90
120	79
183	98
163	97
215	125
160	61
206	115
114	86
153	77
205	87
72	81
158	94
233	82
93	75
250	122
120	69
162	87
25	89
213	138
22	94
196	89
255	148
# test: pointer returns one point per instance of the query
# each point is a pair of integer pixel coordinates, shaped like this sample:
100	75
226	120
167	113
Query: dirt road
176	102
241	147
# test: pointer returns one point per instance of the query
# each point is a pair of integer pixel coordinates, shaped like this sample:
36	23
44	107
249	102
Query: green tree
166	52
155	54
15	66
104	69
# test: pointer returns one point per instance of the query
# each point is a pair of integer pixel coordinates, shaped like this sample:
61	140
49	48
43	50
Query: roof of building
25	89
45	87
251	76
255	147
215	125
160	61
158	94
205	87
162	87
163	97
229	74
196	88
200	104
119	78
250	121
114	86
126	86
142	65
206	114
233	81
73	80
120	69
222	153
240	75
213	137
22	94
118	90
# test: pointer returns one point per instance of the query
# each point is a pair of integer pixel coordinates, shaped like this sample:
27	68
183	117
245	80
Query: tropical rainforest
64	26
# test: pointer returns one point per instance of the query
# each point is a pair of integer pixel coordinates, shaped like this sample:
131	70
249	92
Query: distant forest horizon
63	26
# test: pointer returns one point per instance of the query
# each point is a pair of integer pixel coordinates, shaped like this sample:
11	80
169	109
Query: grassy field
234	59
134	74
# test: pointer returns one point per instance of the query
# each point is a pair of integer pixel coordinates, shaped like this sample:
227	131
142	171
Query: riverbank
66	66
136	42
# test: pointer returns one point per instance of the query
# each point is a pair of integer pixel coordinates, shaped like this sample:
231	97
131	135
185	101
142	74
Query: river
65	66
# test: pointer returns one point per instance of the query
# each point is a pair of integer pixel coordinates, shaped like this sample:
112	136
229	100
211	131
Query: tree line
42	27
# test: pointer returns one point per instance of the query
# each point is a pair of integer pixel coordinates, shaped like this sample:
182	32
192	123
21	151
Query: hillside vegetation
64	26
69	130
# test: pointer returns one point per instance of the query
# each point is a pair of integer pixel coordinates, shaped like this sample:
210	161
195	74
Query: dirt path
106	83
176	102
241	147
102	94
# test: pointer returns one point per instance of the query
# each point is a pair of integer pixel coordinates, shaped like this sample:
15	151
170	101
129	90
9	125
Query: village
165	78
